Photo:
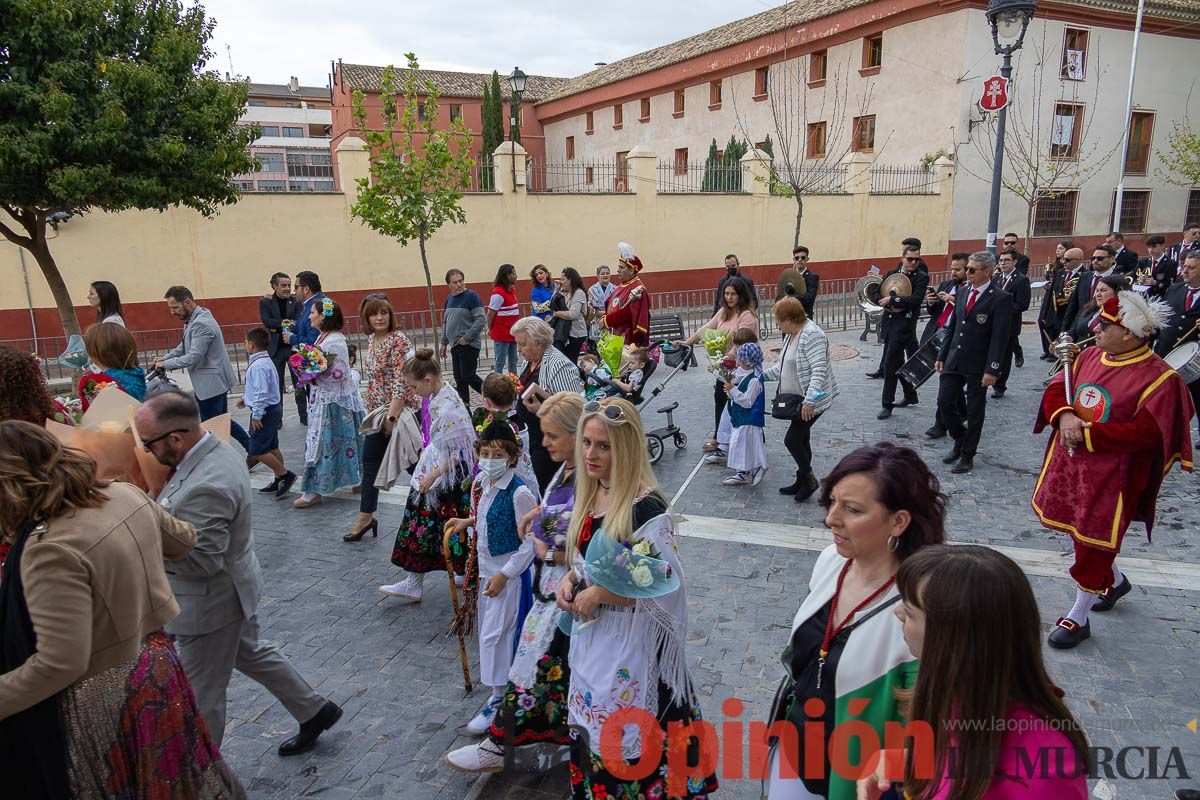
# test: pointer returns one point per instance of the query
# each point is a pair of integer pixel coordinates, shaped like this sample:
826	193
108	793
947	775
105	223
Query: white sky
271	40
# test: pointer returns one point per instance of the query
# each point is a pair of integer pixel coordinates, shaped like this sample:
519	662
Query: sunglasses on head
374	296
613	413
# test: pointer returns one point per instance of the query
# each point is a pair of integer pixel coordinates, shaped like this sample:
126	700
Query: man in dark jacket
732	274
1017	285
899	327
910	245
279	310
1009	245
1162	269
807	298
1125	260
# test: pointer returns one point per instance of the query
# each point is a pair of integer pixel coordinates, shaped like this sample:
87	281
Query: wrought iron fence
577	176
482	177
699	177
915	179
822	179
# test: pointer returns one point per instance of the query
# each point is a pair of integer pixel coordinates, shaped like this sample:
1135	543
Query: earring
893	543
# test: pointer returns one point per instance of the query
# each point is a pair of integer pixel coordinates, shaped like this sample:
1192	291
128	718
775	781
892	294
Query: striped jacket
807	369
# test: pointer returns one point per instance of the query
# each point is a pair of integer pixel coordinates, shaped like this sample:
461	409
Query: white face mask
493	468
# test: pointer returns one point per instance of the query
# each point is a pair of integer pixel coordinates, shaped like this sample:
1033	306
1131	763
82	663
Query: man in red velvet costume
628	311
1112	446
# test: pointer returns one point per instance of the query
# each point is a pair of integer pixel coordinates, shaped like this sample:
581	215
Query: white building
293	147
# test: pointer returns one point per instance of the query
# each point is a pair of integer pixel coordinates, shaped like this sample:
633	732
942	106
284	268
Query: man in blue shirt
308	290
261	395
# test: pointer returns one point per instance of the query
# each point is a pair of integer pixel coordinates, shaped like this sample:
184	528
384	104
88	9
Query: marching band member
899	327
1158	270
940	312
1184	326
1054	296
628	312
1124	428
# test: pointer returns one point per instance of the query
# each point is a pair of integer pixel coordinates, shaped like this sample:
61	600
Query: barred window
1193	207
1054	214
1135	208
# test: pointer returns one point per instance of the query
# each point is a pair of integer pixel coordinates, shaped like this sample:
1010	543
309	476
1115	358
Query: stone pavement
397	675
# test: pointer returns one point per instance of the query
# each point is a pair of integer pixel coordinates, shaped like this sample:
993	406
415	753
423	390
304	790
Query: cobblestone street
747	555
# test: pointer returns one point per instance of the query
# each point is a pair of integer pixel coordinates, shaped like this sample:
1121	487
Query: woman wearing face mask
436	492
533	708
970	615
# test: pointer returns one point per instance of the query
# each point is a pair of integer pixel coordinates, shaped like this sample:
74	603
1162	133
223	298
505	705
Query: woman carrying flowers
533	708
627	648
332	447
113	353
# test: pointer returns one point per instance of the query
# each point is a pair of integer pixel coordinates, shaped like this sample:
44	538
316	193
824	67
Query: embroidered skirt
332	449
418	546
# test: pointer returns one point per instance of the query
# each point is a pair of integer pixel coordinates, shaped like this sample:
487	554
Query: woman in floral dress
332	446
534	706
440	486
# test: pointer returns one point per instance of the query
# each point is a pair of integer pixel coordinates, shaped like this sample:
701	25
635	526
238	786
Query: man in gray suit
218	584
202	353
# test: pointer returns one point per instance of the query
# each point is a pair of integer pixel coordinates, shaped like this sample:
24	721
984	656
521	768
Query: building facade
293	147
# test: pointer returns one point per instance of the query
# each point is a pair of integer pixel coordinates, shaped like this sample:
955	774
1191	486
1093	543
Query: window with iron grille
681	160
1193	207
1135	208
645	109
1074	54
815	142
872	55
590	174
1141	135
817	66
714	93
679	101
762	82
1054	215
309	165
622	182
863	135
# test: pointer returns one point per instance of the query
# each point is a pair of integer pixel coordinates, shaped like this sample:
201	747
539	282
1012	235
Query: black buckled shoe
310	731
1110	596
1067	633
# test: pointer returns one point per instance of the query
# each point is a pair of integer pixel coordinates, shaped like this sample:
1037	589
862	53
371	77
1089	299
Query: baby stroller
677	358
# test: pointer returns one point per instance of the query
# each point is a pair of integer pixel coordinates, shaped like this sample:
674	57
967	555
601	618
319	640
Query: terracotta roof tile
451	84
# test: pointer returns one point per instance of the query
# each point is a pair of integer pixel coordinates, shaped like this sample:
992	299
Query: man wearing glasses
808	299
969	360
1017	285
732	274
1009	245
1050	317
899	329
910	245
1085	289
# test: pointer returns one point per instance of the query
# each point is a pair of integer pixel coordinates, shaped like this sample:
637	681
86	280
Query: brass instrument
1060	346
1068	290
866	290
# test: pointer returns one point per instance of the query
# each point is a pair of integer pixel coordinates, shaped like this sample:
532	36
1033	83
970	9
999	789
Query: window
299	186
1068	125
762	83
322	186
289	105
815	143
618	116
257	103
1135	207
270	162
1054	214
309	165
622	182
422	115
863	136
244	186
817	65
455	112
570	148
679	100
272	186
589	174
590	127
1074	55
1193	206
714	95
293	133
645	117
1141	132
268	130
321	159
681	160
872	54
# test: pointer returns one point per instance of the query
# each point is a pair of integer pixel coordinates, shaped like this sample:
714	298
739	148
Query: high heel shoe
354	536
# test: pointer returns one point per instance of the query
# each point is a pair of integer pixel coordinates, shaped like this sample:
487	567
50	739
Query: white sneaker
411	588
483	720
459	580
476	758
736	479
717	457
758	476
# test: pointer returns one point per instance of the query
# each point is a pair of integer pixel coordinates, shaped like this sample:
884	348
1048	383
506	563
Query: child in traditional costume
725	427
747	414
499	400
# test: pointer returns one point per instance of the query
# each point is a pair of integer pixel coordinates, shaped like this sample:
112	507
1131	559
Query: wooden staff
462	642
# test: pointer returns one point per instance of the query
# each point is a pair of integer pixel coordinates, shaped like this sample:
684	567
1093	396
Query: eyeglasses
612	412
1099	258
911	260
1009	242
800	257
973	270
147	442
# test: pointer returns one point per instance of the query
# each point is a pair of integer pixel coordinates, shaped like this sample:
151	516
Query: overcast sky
270	40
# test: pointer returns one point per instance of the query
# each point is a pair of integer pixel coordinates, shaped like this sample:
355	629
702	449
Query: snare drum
1185	360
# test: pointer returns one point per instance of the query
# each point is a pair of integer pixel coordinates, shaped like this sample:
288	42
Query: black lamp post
1009	20
516	82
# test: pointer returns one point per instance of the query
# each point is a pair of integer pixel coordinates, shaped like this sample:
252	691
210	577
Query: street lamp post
1009	20
516	82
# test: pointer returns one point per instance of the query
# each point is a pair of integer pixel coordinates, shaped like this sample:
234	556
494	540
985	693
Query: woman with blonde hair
625	652
94	701
113	352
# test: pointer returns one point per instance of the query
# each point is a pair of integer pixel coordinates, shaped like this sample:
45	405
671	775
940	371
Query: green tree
712	169
731	164
104	104
1181	161
418	171
487	178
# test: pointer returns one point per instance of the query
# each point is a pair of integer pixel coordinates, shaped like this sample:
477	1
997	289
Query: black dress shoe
907	402
306	739
1048	357
874	375
1020	361
954	454
792	488
964	465
807	490
936	432
1110	596
1067	633
1187	794
885	414
998	393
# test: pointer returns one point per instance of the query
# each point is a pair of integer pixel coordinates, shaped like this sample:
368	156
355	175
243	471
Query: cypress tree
487	178
712	166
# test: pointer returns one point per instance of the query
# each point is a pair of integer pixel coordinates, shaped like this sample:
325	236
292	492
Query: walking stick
462	643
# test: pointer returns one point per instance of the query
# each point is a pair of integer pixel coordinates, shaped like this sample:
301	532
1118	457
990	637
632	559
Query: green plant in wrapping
716	343
610	348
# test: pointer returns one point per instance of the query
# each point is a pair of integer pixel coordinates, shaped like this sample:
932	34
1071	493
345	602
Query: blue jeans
505	351
215	407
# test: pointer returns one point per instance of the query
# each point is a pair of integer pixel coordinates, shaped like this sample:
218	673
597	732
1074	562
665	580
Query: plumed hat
628	257
1141	317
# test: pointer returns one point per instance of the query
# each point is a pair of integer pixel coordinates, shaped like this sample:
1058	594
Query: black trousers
898	347
298	391
798	441
572	347
720	400
1012	349
963	417
373	448
465	362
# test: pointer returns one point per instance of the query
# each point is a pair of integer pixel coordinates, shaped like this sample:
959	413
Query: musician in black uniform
811	279
1124	259
1054	297
1162	269
1184	300
970	357
941	308
911	244
899	329
1190	241
1085	289
1009	245
1017	285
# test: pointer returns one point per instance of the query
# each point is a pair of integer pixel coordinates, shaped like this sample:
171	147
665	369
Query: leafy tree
104	104
494	124
487	177
731	164
712	169
418	171
1182	158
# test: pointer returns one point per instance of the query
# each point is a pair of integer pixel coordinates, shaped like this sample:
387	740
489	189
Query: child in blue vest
747	412
494	585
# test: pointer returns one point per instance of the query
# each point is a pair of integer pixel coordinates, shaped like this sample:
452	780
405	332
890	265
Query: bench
670	328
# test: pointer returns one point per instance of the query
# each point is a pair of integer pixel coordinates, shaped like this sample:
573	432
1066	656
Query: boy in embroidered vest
498	562
499	402
1116	438
747	413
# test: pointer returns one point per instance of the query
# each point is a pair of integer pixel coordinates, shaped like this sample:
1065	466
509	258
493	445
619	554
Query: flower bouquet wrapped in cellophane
634	570
309	361
610	347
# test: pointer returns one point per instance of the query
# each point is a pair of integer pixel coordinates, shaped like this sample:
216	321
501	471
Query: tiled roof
451	84
282	90
799	13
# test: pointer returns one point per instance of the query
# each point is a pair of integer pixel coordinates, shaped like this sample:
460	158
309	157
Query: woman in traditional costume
626	653
440	486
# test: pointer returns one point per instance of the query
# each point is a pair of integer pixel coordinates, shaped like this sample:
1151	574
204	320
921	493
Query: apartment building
293	147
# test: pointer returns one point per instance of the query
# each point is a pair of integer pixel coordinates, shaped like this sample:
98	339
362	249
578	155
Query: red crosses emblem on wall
995	94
